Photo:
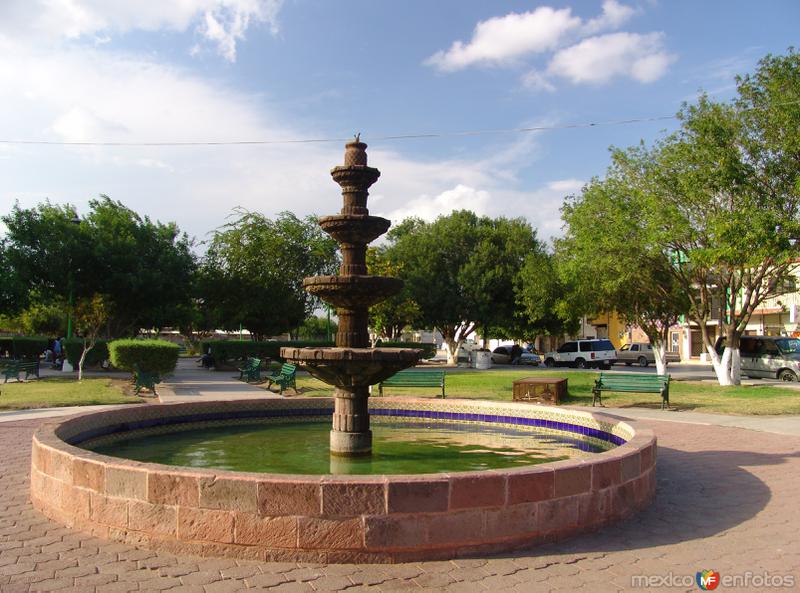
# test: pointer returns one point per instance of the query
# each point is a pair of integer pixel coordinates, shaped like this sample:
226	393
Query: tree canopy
252	273
143	267
461	270
711	214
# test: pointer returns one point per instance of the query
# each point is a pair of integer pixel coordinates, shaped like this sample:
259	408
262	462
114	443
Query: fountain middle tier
354	228
349	292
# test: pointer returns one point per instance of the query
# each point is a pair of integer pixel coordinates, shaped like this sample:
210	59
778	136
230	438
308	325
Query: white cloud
501	40
614	15
537	81
220	22
82	93
577	52
461	197
566	186
597	60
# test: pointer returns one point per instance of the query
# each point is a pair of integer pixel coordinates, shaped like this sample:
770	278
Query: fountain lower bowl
385	518
353	367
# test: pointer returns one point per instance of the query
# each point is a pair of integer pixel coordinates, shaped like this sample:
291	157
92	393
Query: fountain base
351	444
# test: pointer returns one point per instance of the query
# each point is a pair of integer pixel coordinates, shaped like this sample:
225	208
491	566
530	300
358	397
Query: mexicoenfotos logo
707	580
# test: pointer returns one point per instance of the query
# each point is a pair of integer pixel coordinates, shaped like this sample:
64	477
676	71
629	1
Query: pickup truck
641	353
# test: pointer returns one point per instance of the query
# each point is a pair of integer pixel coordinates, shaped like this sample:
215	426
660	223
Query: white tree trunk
452	350
722	366
736	367
659	352
86	349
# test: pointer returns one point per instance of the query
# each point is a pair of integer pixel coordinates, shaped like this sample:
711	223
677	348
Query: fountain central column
352	366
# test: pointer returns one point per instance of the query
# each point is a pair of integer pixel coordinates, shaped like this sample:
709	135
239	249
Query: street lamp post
71	298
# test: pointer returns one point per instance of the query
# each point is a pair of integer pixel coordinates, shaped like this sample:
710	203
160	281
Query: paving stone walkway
727	500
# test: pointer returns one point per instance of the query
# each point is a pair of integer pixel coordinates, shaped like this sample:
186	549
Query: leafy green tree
145	268
718	203
390	317
317	328
461	270
544	303
91	315
253	271
611	261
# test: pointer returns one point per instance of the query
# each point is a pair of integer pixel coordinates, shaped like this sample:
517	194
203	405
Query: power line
416	136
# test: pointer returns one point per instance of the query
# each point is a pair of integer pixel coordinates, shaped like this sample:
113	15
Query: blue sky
211	70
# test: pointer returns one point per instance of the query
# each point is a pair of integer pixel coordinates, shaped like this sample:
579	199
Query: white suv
582	354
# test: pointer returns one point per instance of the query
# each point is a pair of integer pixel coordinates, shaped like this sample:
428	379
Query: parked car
768	357
641	353
502	355
582	354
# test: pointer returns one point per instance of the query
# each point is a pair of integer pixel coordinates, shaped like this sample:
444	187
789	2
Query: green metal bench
251	371
145	380
415	378
284	378
12	369
632	383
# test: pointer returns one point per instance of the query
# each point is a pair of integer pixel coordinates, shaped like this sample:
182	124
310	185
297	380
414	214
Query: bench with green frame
251	371
145	380
414	378
632	383
12	369
284	378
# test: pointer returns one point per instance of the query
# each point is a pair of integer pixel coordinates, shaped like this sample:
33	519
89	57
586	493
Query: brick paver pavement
728	499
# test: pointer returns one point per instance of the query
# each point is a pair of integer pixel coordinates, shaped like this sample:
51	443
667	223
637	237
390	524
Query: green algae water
401	447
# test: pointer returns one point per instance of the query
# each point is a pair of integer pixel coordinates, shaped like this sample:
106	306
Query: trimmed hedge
74	348
24	347
429	350
150	356
227	350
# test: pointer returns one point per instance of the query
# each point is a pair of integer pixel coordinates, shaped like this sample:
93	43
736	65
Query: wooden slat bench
426	378
284	378
12	369
632	383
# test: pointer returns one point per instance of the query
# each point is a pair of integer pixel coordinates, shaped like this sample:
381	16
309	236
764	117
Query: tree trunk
86	349
453	346
659	352
722	365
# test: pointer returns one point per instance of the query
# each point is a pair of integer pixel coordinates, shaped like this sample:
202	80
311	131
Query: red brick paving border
727	499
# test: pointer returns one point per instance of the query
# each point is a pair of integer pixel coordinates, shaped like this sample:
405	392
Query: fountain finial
355	152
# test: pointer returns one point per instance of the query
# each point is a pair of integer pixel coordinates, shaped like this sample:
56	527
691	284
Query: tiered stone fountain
352	366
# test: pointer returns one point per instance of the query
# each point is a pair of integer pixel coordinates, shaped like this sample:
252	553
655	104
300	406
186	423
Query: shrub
74	348
21	347
152	356
428	349
226	350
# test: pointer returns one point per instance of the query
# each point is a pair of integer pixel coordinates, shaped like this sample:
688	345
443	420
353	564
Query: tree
144	267
253	271
390	317
543	300
317	328
720	201
461	270
91	315
611	261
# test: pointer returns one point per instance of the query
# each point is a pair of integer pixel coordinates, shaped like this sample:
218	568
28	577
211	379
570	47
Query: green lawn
684	395
57	391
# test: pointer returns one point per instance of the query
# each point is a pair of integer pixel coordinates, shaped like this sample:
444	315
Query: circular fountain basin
340	518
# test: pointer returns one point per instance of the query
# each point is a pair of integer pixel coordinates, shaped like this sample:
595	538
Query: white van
768	357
